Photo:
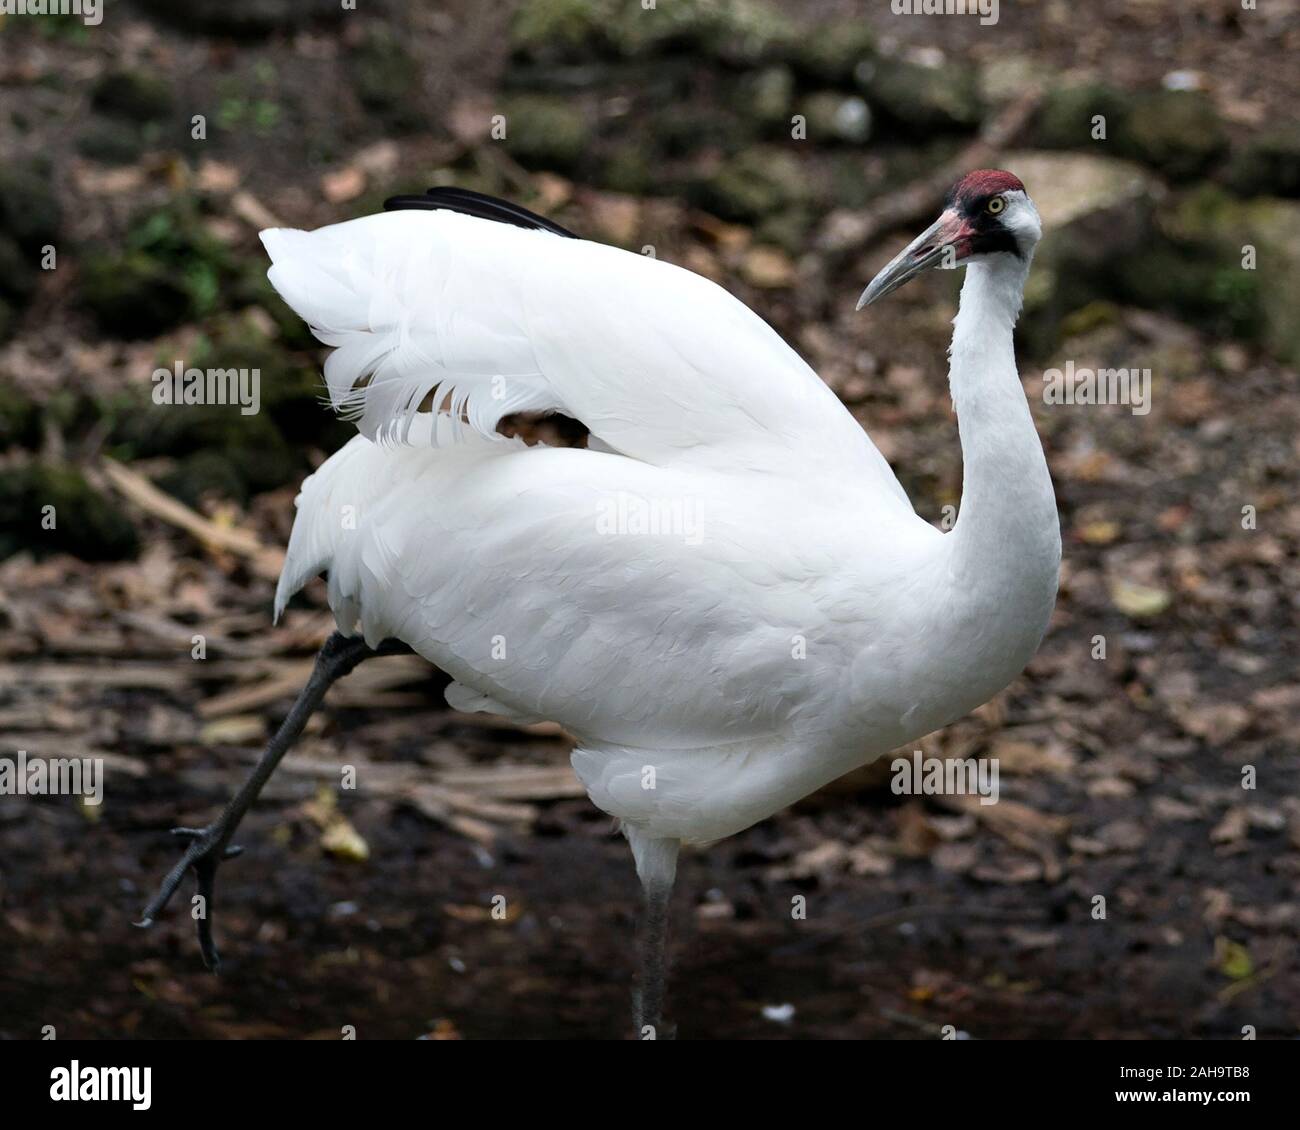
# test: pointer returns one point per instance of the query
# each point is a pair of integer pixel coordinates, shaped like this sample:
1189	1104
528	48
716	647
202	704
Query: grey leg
208	846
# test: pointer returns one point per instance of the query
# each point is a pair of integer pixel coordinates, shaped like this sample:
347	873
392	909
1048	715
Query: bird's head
986	213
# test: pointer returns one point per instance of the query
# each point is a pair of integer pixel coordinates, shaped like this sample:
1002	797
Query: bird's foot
206	851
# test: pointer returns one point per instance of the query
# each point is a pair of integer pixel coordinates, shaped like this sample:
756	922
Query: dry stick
849	233
133	486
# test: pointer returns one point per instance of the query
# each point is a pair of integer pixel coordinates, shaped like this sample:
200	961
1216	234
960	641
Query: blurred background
787	151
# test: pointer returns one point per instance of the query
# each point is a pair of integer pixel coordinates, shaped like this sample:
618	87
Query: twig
133	486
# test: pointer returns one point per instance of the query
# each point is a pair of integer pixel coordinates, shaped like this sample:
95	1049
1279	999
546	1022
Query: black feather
470	203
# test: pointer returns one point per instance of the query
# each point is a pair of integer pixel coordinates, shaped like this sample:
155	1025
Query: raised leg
208	846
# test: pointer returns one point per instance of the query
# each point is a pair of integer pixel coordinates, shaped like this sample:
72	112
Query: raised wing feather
431	309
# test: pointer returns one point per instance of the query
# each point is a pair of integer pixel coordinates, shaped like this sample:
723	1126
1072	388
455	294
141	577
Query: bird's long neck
1007	536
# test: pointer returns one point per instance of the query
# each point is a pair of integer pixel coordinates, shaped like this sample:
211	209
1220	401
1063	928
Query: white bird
726	598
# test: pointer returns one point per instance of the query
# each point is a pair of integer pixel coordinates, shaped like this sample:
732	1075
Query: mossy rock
1177	132
628	168
386	78
832	55
560	30
244	18
1065	120
680	130
29	207
17	272
169	270
1206	236
20	417
1267	165
768	97
132	295
923	98
835	118
87	524
133	94
113	141
741	32
755	183
546	131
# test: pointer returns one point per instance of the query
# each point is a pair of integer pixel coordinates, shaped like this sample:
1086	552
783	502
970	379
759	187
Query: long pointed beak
945	239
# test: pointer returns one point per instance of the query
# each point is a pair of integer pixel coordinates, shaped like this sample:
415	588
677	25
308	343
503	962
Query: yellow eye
995	205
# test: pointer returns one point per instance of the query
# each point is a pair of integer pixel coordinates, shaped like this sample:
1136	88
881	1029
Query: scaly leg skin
208	846
653	948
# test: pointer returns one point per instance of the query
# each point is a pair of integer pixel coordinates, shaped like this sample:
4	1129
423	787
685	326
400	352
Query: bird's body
744	604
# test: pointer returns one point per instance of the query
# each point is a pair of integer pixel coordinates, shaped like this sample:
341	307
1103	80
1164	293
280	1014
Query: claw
204	853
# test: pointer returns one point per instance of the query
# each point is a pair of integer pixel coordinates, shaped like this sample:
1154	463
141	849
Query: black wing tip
478	204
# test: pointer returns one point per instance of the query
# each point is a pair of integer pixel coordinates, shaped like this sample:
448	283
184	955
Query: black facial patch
989	233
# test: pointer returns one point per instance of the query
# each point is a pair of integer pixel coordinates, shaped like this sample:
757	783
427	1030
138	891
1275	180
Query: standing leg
656	865
208	846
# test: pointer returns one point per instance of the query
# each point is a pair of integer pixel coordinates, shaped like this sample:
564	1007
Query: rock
831	55
20	417
1267	165
17	272
113	141
836	117
29	206
768	96
132	94
132	295
1095	210
87	524
170	270
1177	132
560	30
244	17
1065	119
753	184
1194	267
923	98
545	131
740	32
386	79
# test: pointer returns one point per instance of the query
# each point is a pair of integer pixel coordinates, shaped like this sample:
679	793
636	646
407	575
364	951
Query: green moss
113	141
87	524
19	417
755	183
832	55
1267	165
169	270
29	206
546	131
17	272
1177	132
1065	119
740	32
133	94
386	78
924	98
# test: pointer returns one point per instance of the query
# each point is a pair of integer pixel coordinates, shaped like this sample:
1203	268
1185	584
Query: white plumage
786	617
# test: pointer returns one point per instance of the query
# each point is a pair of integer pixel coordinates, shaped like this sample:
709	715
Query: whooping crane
803	621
